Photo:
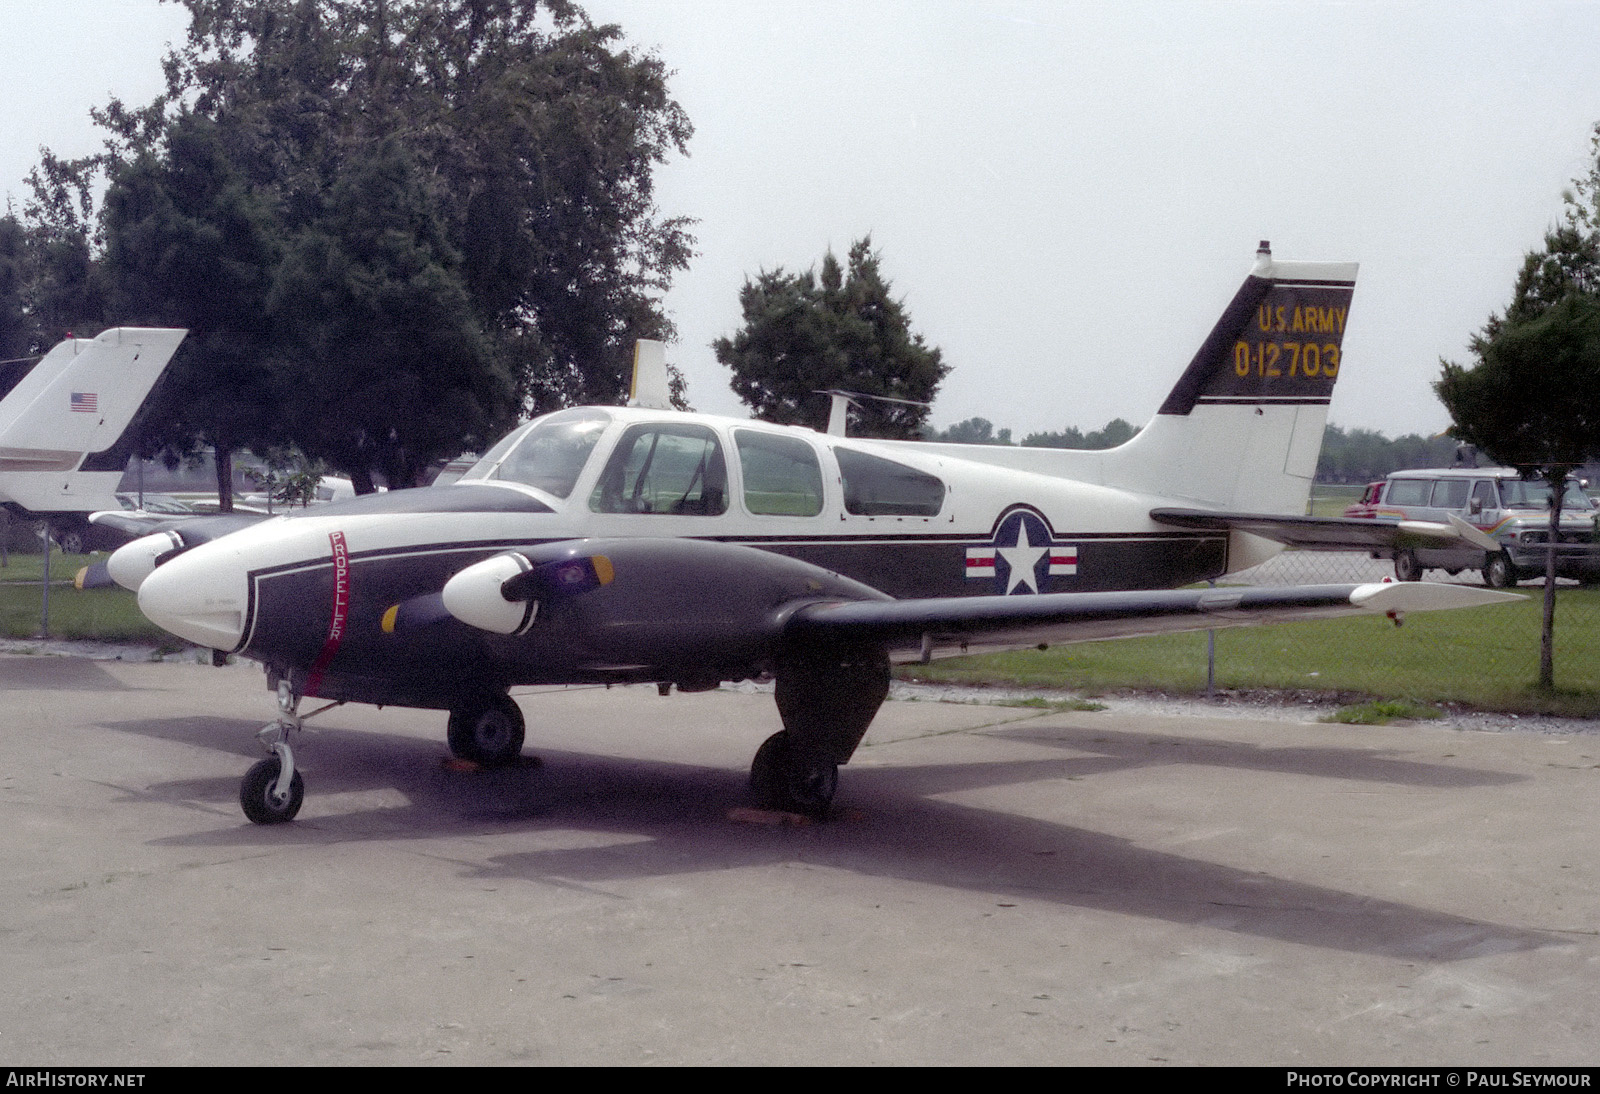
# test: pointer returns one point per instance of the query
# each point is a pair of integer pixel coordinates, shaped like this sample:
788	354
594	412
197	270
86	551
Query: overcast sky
1064	193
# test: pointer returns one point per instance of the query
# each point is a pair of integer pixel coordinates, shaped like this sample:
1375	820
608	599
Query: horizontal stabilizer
1333	533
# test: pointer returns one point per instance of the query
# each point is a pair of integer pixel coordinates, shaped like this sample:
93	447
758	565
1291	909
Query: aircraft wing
952	626
666	595
1333	533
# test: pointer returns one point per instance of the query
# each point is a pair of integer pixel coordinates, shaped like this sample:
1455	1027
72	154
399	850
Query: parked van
1497	500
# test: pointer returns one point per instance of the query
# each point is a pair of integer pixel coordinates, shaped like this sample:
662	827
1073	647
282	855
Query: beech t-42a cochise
633	545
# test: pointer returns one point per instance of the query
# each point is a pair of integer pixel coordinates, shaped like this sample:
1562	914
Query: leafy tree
972	431
422	217
1532	400
16	342
1365	455
193	244
1117	431
805	333
373	318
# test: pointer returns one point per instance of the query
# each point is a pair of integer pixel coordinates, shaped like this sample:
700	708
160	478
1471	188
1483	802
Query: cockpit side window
876	487
548	454
664	468
781	474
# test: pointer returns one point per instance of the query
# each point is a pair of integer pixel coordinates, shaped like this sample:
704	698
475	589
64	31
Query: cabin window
664	468
1410	491
548	454
782	477
1450	493
1483	494
876	487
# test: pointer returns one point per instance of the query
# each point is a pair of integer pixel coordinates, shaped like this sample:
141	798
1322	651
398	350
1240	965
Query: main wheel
1406	566
488	733
71	542
1498	573
780	779
256	798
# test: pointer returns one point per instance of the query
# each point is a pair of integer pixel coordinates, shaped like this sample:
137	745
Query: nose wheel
260	797
272	790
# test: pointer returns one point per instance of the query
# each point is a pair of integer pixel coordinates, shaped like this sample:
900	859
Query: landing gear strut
272	789
827	699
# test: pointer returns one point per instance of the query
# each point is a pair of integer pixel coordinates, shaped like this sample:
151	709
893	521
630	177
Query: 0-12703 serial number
1286	359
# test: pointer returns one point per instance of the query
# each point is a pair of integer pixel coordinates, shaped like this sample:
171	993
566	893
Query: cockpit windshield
548	453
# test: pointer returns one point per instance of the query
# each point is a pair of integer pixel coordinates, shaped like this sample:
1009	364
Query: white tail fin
81	396
1242	429
651	387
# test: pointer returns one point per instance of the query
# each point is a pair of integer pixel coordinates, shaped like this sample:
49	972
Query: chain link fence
1497	649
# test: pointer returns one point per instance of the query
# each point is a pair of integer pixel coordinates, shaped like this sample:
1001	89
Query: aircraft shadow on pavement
890	826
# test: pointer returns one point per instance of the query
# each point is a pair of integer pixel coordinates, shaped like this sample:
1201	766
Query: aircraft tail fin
1242	429
651	385
81	396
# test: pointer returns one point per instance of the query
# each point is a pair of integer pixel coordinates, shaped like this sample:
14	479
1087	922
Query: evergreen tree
837	331
1532	399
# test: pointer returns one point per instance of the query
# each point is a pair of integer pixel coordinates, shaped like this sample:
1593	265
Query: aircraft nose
134	561
200	595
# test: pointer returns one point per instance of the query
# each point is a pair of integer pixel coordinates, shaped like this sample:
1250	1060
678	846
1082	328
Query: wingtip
1424	596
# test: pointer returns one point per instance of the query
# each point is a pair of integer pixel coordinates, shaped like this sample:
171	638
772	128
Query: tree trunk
224	478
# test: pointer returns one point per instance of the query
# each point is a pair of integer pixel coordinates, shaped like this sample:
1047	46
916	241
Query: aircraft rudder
83	403
1279	341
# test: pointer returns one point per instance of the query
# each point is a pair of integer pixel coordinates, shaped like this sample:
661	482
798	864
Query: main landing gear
827	699
489	731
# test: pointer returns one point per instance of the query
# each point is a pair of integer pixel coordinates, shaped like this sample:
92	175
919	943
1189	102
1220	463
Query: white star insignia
1021	557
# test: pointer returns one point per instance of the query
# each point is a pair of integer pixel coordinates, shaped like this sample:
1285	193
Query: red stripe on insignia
341	612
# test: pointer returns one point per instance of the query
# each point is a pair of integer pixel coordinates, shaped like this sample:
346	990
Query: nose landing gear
272	791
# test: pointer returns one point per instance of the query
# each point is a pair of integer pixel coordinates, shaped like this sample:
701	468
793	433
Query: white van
1497	500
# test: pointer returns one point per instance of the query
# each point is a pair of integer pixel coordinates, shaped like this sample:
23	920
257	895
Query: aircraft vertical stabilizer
650	386
1242	429
77	400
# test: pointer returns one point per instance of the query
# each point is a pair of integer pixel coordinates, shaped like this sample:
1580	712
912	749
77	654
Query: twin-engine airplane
628	544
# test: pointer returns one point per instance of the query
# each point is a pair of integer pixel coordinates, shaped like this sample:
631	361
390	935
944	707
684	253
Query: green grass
1332	501
1380	712
31	567
108	615
1484	658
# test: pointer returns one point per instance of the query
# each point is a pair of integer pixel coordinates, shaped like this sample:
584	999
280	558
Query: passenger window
1409	491
781	475
664	468
1450	493
1483	494
876	487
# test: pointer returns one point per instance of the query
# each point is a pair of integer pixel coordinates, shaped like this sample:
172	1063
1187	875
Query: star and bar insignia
1022	556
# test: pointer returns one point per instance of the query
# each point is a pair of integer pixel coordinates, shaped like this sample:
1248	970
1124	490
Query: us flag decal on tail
84	402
